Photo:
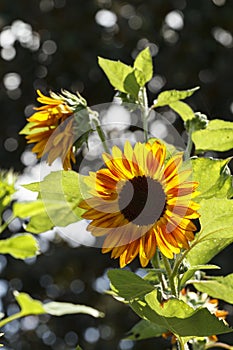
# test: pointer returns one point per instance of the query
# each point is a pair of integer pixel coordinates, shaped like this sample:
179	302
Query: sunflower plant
168	206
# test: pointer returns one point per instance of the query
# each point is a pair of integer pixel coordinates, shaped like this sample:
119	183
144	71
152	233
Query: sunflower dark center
142	200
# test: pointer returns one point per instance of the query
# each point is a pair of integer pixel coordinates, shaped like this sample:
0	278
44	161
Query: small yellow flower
51	130
141	203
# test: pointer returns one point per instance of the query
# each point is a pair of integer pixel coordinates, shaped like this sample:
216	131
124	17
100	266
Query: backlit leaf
167	97
120	75
183	109
28	305
217	287
218	136
59	195
144	67
60	308
216	230
213	176
20	247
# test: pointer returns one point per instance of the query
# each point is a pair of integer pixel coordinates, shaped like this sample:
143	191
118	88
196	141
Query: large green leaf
120	75
145	329
59	195
60	308
217	287
178	317
127	285
218	136
173	314
20	247
216	230
144	67
167	97
213	176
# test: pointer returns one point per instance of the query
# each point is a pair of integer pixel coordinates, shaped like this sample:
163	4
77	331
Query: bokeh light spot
91	335
174	20
11	144
106	18
11	81
8	53
49	47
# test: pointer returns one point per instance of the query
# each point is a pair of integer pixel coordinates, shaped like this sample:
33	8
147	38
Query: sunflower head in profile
141	202
50	128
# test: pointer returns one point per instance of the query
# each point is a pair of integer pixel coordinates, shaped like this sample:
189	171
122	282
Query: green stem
169	275
155	261
4	226
145	111
10	318
189	146
101	134
181	345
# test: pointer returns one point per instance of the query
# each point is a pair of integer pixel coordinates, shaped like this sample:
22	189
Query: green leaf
127	285
167	97
27	130
218	136
78	348
192	269
28	305
144	67
20	247
178	317
183	110
145	329
7	189
217	287
213	176
216	230
120	75
60	308
59	195
130	84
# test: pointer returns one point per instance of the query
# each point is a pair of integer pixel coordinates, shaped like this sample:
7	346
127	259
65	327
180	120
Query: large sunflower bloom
141	202
51	130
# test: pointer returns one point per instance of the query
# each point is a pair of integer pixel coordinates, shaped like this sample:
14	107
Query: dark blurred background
54	44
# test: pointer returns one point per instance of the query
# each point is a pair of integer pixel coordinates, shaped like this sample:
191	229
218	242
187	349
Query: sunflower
51	129
140	201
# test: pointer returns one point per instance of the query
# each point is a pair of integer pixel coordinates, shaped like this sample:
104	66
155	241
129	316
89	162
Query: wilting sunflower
140	202
51	129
